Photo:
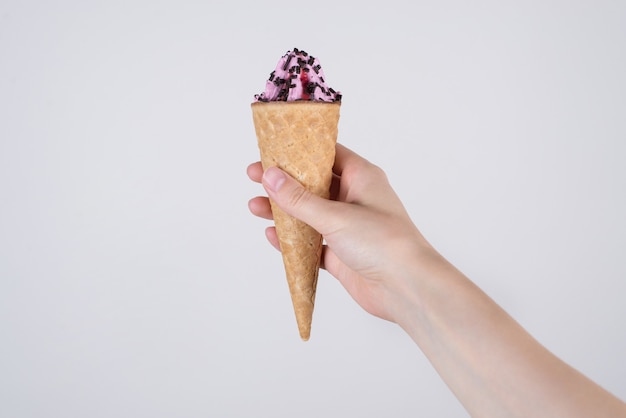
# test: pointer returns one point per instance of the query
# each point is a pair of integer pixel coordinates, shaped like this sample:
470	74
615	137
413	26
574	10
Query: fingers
300	203
272	237
361	181
335	186
345	157
260	206
255	172
364	183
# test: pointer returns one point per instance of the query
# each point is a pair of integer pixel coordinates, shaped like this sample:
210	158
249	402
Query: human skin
492	365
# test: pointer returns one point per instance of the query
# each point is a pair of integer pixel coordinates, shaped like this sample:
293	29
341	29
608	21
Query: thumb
297	201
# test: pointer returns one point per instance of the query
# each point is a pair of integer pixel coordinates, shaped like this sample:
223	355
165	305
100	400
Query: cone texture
299	137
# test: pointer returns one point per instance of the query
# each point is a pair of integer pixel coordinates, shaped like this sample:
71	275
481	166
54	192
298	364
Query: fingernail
274	178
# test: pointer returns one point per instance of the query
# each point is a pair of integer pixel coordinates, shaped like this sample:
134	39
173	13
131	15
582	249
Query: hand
491	363
369	236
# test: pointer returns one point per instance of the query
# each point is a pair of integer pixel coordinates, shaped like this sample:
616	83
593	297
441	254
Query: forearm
488	360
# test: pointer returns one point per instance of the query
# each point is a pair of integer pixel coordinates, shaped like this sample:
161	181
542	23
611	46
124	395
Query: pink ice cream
298	76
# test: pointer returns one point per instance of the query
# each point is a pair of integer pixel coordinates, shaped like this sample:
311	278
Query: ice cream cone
299	137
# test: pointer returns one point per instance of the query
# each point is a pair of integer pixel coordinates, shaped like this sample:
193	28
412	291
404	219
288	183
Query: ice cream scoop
298	76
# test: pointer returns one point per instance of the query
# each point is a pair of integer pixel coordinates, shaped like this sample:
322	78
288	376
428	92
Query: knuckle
378	173
370	175
298	197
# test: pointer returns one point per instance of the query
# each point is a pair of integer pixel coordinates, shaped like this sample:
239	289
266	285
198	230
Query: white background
135	283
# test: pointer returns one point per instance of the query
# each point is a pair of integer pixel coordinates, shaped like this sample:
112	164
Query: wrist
417	279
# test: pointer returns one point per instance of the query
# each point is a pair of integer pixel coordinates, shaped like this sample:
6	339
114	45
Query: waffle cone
299	137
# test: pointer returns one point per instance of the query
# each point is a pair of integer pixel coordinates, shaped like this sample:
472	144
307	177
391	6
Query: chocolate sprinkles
287	63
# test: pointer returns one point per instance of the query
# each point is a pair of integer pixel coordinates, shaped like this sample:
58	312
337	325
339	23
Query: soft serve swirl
298	76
